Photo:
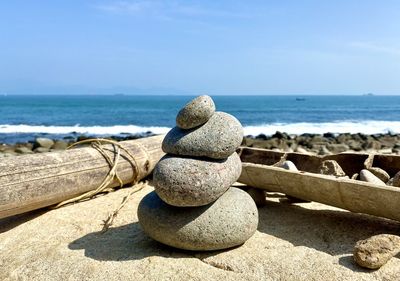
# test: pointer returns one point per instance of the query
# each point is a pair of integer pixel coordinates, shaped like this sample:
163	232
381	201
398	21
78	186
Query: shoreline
328	143
316	144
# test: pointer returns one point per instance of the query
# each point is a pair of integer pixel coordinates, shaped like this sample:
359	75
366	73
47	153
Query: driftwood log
353	195
31	182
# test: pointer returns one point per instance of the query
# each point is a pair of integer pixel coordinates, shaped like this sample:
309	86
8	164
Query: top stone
195	113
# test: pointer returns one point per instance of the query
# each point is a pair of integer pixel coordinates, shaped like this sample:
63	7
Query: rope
111	175
109	221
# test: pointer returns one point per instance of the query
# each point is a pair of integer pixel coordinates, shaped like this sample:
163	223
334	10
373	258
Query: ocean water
22	118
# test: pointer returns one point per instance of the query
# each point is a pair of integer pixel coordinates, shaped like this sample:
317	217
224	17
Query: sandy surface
307	241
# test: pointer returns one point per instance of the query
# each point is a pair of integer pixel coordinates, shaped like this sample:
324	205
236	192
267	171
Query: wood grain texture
31	182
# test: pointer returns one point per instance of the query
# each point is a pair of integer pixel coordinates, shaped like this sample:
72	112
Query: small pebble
44	142
324	151
395	181
380	173
367	176
331	168
376	251
288	165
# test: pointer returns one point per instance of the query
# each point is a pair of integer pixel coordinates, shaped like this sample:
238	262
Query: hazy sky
215	47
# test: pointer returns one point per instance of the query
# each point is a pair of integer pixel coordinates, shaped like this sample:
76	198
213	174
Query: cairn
194	206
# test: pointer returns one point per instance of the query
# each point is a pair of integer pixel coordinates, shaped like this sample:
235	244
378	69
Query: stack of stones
194	206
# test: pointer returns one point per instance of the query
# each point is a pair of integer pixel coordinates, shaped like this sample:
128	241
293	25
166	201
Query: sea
25	117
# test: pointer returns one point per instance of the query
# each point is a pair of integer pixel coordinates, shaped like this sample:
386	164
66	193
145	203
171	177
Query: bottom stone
225	223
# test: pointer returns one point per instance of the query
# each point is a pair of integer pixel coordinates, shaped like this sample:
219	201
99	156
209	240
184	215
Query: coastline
316	144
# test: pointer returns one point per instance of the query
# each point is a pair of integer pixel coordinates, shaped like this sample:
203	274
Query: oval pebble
196	112
188	182
218	138
225	223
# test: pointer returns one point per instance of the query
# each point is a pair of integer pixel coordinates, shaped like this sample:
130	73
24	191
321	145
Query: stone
59	145
376	251
188	182
338	148
218	138
301	150
331	168
23	150
367	176
44	142
225	223
288	165
195	113
395	181
380	173
324	151
41	149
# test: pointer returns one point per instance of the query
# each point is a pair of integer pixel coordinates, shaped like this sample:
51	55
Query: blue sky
192	47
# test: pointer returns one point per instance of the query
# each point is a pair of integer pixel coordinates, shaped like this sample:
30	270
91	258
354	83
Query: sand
306	241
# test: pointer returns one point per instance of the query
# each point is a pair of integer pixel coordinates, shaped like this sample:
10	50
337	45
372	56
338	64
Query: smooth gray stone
288	165
367	176
380	173
43	142
196	112
189	182
218	138
225	223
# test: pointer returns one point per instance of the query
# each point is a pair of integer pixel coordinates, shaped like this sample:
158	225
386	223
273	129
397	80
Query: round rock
218	138
376	251
225	223
195	113
188	182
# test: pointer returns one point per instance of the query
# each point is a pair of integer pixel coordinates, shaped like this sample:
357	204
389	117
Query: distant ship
300	99
368	94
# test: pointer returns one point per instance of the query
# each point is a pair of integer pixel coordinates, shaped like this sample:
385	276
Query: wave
90	130
366	127
354	127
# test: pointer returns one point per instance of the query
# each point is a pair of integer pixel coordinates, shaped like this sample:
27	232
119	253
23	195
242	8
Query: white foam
92	130
366	127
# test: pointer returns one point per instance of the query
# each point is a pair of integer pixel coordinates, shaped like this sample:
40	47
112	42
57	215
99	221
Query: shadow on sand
329	231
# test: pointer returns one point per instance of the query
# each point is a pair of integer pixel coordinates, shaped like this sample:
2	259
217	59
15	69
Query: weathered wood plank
31	182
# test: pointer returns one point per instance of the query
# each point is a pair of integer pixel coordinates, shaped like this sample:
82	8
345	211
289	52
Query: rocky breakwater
194	206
